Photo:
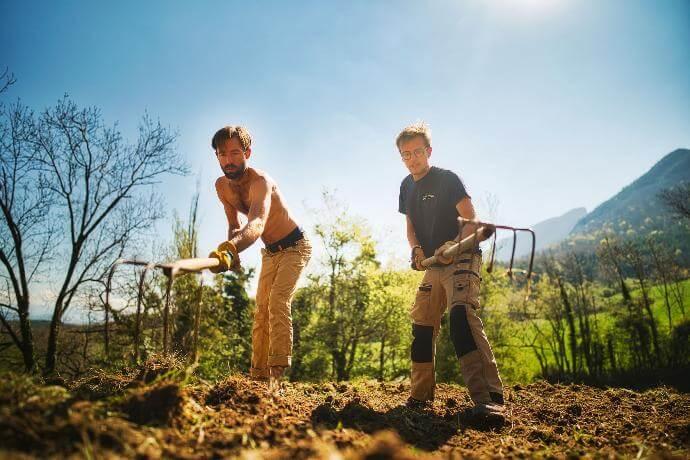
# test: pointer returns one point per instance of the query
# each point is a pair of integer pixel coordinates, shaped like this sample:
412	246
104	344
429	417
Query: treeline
618	310
587	327
351	314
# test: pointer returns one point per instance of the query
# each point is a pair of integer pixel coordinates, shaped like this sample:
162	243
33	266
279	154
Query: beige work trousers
457	285
272	329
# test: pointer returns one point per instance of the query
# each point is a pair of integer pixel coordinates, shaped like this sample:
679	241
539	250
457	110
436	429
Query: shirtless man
287	250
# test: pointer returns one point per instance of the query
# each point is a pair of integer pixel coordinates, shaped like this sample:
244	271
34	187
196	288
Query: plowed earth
115	416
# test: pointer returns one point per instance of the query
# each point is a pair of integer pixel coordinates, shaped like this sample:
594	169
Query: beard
234	174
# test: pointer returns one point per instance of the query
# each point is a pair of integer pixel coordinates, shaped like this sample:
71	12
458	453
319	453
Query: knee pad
460	332
422	343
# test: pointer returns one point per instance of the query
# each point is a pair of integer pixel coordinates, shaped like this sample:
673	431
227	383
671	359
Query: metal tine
170	271
111	273
108	288
140	297
170	274
490	268
166	314
512	256
531	261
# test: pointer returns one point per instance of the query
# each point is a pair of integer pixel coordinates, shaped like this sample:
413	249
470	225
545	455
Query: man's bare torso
235	196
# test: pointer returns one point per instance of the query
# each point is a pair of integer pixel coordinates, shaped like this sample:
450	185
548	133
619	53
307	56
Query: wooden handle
465	245
188	265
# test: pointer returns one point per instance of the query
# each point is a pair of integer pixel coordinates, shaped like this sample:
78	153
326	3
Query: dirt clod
154	405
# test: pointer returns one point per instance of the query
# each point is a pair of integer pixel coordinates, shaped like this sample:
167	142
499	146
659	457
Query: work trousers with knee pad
272	329
455	285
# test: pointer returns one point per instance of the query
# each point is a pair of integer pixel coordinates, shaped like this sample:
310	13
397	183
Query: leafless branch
677	199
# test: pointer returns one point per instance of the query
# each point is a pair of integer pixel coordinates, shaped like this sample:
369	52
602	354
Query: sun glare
530	6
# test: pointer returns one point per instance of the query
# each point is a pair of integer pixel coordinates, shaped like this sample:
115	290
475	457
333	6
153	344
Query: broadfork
484	231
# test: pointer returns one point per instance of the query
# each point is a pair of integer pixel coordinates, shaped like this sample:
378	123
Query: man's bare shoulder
223	189
261	177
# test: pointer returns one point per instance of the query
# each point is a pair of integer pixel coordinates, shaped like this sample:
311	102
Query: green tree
391	295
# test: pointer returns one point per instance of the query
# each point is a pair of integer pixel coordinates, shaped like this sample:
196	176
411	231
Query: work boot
416	404
489	411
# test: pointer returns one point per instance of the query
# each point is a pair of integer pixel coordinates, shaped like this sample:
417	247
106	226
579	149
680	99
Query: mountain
637	205
637	211
549	232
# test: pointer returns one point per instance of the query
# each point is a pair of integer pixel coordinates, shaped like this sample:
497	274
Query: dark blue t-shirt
430	204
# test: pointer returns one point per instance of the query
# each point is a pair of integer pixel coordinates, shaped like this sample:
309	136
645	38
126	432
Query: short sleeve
402	207
456	189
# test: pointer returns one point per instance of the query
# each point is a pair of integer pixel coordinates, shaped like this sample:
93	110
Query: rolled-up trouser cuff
278	360
258	373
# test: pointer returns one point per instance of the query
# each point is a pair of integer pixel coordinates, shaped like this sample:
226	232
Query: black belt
290	240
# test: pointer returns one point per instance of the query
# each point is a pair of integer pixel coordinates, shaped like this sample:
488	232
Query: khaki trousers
456	285
272	329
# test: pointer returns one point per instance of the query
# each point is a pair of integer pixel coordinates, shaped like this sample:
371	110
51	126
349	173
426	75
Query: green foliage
225	335
342	318
629	319
351	318
223	311
619	310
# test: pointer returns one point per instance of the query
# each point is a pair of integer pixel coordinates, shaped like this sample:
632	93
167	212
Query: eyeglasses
406	155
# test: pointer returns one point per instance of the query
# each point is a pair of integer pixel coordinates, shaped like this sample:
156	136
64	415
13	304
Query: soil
121	416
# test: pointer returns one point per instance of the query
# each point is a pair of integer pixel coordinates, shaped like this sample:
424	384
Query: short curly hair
412	131
228	132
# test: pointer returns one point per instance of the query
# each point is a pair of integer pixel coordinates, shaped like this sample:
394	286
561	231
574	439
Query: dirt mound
155	405
99	384
240	417
157	366
46	422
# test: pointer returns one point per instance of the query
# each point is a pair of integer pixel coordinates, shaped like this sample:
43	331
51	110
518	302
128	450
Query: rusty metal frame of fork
170	270
484	231
515	231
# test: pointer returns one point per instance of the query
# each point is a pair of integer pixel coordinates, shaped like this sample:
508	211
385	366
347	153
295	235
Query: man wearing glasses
253	193
432	199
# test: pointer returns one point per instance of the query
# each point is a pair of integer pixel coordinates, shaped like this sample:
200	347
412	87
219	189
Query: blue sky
545	105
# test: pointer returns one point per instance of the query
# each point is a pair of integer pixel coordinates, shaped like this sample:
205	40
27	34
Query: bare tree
677	199
555	272
26	232
614	263
6	80
638	261
665	273
99	183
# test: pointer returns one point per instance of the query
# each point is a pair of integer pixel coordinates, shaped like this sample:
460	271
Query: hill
637	211
638	203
